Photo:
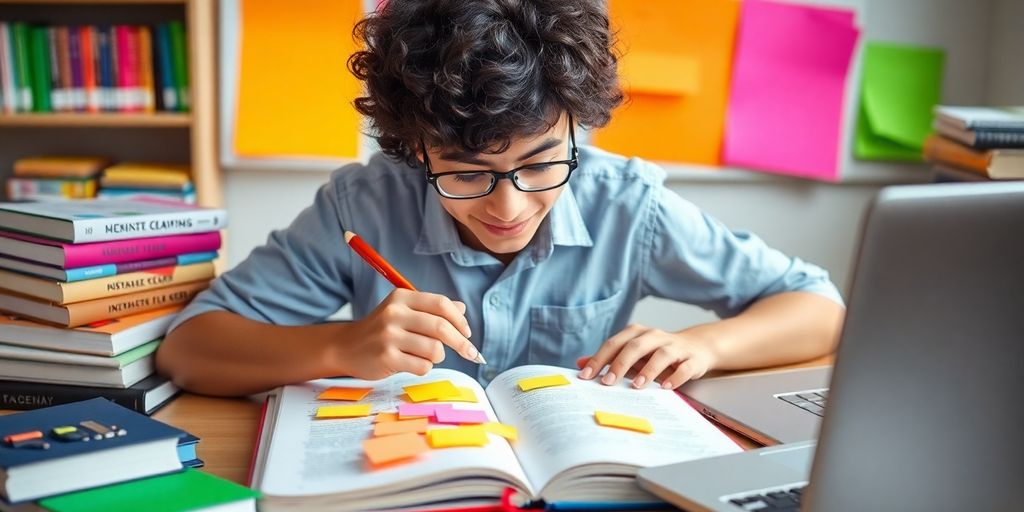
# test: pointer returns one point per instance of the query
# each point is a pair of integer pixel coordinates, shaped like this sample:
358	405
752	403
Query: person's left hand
654	355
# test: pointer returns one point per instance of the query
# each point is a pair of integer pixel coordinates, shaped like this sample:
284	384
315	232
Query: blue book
28	471
165	87
106	74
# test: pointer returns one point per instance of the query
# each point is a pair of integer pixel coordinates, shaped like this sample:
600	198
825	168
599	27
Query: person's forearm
225	354
779	329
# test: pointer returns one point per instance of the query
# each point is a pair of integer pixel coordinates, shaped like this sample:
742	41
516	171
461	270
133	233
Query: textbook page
307	456
558	433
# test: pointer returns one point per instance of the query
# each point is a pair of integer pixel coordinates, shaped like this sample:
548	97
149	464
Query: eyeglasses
527	178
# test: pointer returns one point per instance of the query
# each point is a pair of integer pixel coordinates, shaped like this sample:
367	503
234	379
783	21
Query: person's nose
506	201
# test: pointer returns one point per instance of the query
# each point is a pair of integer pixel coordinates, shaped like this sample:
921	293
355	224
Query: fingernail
608	379
586	373
639	381
666	385
473	352
468	332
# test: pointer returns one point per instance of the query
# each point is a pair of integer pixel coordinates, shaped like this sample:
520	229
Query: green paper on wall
187	490
899	87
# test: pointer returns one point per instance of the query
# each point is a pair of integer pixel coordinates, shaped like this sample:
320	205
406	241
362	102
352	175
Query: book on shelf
186	490
98	221
146	194
981	118
98	271
60	166
997	164
145	396
979	138
948	174
66	255
147	448
58	292
56	367
81	313
561	454
49	189
106	338
149	174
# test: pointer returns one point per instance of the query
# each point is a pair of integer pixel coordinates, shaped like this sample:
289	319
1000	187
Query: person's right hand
407	332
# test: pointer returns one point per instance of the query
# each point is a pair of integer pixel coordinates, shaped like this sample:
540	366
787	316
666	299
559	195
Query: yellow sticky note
474	435
543	382
663	74
342	393
610	419
381	450
507	431
390	428
465	395
440	390
343	411
383	417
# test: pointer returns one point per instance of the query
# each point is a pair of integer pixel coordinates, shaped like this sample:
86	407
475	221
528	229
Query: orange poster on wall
675	66
294	90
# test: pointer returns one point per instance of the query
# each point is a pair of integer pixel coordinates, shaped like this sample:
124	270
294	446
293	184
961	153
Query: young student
525	245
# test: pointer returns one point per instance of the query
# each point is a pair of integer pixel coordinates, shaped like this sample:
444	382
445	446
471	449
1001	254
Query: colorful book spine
56	90
39	45
88	64
98	271
93	289
7	69
19	39
64	61
34	189
145	57
179	58
124	251
26	396
168	92
106	79
75	64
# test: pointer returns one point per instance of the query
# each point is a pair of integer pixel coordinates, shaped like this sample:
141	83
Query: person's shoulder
599	165
379	178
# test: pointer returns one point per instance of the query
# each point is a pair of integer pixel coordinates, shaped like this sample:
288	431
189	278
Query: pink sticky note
420	410
460	416
785	111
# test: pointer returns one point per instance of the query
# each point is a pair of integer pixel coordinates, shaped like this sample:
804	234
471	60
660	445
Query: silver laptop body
925	406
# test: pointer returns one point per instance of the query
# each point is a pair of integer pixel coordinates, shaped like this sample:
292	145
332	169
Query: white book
108	339
981	118
54	367
561	453
88	220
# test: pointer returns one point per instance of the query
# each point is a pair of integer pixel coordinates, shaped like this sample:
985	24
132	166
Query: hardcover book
65	255
49	366
105	338
113	219
59	292
145	396
147	448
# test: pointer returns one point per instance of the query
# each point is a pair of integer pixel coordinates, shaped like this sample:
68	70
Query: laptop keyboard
812	401
774	501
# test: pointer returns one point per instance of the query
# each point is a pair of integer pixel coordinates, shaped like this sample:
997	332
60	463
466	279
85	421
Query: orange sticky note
342	393
383	417
610	419
343	411
675	69
545	381
474	435
440	390
381	450
507	431
279	114
465	395
390	428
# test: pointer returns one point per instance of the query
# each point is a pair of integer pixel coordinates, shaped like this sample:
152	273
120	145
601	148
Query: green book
39	46
179	61
187	490
23	84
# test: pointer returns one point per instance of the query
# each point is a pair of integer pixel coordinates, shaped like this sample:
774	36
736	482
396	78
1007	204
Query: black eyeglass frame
572	162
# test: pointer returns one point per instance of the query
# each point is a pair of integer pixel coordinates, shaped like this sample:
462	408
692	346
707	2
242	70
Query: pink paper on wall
785	111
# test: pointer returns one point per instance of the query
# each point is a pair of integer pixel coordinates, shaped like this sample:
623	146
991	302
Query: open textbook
561	454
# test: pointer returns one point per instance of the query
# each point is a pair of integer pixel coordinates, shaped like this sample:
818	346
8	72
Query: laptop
924	403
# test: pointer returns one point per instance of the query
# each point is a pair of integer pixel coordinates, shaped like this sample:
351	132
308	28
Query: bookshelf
180	137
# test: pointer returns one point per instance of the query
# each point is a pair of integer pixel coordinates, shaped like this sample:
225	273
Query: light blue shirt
614	236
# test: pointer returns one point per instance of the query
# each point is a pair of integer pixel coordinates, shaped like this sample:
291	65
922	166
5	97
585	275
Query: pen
375	260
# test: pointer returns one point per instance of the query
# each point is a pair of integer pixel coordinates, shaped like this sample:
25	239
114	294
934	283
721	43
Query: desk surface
227	427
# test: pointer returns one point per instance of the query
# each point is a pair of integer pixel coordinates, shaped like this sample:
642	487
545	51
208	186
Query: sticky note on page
343	411
465	395
545	381
507	431
473	435
440	390
406	411
381	450
343	393
460	416
610	419
390	428
383	417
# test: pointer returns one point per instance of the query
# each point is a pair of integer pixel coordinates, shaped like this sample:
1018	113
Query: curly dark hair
473	74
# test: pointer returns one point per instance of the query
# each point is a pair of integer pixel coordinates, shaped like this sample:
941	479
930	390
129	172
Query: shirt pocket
560	334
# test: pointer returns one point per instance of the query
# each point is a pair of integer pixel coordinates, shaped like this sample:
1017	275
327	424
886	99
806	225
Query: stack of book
46	178
95	455
977	143
92	287
131	180
93	68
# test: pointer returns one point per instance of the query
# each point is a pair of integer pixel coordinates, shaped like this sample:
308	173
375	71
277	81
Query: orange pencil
375	260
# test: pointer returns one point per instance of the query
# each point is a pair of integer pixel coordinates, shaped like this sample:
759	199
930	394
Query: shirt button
490	373
495	300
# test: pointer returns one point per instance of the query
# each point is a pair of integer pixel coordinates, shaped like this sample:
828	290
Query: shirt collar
438	235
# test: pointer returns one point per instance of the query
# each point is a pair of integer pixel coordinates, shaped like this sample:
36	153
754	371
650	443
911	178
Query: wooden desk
227	427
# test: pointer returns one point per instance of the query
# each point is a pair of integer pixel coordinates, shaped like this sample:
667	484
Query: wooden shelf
105	119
